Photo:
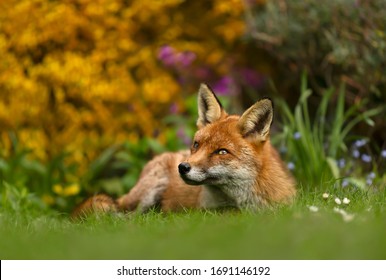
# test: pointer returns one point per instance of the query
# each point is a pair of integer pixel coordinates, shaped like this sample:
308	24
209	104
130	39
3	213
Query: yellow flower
71	190
48	199
58	189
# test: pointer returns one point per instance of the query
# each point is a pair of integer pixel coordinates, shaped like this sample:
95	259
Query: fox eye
195	145
222	152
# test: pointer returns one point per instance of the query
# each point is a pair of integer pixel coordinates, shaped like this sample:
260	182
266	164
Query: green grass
283	233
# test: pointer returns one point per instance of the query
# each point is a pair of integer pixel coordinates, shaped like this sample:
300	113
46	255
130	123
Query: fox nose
184	168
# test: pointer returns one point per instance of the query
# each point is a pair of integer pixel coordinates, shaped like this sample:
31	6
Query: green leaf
101	162
359	183
4	166
369	121
333	167
112	186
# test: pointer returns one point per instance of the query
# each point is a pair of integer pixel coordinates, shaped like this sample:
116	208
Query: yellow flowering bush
79	75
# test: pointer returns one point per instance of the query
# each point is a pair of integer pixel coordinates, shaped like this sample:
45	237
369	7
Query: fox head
227	149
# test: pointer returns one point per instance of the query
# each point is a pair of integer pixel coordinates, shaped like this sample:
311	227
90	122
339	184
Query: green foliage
19	168
314	143
117	169
333	40
25	179
18	199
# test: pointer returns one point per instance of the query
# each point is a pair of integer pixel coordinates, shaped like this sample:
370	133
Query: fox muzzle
184	168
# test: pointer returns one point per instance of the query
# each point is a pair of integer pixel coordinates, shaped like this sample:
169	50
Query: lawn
312	228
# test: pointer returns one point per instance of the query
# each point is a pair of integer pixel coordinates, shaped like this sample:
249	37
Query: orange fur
231	163
97	203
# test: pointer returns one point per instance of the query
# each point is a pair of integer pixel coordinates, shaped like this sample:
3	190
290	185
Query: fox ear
256	121
209	107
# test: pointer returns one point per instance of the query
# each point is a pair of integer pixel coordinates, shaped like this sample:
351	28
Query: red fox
231	163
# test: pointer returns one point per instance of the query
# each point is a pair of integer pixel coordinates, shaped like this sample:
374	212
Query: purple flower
291	166
171	57
297	135
383	153
356	154
345	183
341	163
366	158
173	109
167	55
371	175
360	143
370	178
225	86
185	58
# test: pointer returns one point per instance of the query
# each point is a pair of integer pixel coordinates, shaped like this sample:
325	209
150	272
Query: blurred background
90	90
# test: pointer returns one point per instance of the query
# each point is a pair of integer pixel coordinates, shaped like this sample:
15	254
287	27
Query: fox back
230	163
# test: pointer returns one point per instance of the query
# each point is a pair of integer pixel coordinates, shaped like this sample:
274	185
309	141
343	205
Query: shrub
334	41
316	145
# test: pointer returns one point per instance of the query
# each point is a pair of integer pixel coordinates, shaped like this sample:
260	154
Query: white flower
346	216
338	201
346	200
325	195
313	208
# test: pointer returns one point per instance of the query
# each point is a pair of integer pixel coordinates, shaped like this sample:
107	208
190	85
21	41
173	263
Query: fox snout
184	168
190	175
